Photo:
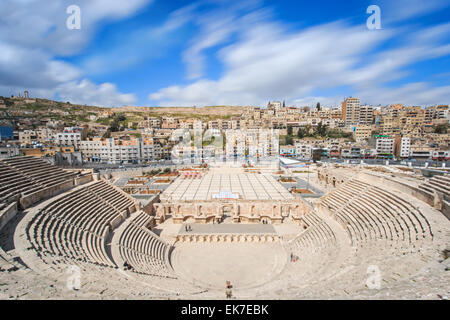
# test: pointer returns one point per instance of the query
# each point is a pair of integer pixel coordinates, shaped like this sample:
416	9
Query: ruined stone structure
374	219
247	198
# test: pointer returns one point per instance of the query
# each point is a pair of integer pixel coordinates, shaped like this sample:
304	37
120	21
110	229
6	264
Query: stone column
280	210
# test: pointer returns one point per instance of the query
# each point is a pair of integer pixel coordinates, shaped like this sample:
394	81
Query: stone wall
78	181
7	214
149	207
331	178
30	199
240	211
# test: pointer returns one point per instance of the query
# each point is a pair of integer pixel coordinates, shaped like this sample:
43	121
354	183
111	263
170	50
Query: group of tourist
293	257
127	266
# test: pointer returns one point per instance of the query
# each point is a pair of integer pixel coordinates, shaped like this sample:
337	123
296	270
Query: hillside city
232	158
73	135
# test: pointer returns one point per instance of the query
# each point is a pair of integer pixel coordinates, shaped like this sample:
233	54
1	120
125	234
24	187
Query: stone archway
189	219
252	210
227	212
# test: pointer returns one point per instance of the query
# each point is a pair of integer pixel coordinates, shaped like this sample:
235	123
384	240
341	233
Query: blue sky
223	52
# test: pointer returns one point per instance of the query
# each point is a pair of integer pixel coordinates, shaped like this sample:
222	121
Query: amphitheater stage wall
45	193
7	214
240	211
227	237
407	189
149	208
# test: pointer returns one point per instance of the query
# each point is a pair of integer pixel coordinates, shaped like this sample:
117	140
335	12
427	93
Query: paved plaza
244	264
243	186
228	228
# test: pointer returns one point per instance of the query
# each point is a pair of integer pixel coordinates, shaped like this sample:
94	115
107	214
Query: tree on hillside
321	129
289	131
318	106
289	140
301	133
107	134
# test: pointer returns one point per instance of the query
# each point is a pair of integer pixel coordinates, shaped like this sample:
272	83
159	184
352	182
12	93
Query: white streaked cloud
34	41
269	61
87	92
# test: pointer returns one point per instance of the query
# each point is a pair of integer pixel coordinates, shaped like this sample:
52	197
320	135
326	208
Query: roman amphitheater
327	232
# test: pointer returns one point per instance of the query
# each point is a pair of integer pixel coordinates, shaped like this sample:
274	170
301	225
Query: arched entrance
227	213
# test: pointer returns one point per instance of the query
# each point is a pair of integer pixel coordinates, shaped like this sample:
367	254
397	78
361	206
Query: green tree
301	133
321	129
91	134
289	140
114	127
308	131
318	106
289	131
107	134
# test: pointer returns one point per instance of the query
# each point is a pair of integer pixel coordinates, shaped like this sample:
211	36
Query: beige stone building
241	197
363	132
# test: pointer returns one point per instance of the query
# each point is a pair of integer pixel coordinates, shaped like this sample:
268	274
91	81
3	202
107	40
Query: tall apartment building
254	143
366	115
150	123
405	147
220	124
275	105
170	123
362	132
351	111
303	151
27	136
91	149
69	137
118	151
385	146
437	113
